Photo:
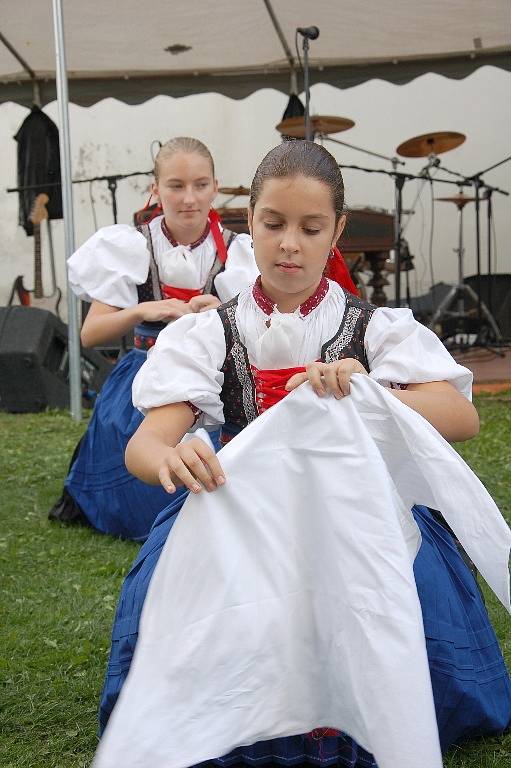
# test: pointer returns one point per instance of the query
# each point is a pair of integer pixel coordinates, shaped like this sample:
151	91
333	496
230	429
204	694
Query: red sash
270	385
183	294
214	223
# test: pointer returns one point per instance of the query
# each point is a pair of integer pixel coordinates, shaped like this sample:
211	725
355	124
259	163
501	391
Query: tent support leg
67	206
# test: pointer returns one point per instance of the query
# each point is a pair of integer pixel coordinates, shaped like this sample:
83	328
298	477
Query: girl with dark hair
227	367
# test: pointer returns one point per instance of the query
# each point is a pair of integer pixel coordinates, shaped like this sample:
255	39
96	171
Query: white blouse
110	264
185	363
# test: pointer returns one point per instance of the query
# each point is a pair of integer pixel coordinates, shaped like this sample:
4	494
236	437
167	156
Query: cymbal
321	124
240	191
431	144
460	200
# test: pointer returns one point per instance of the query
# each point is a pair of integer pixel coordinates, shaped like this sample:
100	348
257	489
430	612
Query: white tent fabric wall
240	132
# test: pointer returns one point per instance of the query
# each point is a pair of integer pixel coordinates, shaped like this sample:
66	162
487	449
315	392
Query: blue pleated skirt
471	686
112	500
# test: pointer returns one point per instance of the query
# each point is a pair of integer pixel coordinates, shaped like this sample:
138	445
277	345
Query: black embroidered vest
151	291
238	392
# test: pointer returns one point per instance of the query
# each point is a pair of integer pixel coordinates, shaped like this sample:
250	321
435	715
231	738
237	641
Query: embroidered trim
268	306
168	234
213	272
316	298
242	369
152	275
195	411
343	339
218	264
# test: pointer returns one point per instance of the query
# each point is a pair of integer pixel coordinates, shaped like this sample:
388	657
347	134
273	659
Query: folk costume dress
232	367
123	266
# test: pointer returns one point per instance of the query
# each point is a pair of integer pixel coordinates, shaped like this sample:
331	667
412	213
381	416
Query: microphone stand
111	182
306	87
308	33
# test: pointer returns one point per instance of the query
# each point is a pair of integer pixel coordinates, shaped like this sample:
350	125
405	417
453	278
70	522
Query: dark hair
182	144
300	158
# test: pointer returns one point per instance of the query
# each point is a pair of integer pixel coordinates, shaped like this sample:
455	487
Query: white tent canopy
135	51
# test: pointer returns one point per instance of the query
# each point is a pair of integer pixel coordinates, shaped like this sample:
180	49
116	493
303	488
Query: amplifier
34	362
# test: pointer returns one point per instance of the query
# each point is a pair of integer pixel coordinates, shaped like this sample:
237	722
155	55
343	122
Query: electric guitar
36	297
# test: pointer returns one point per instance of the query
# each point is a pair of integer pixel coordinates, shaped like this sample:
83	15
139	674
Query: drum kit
453	307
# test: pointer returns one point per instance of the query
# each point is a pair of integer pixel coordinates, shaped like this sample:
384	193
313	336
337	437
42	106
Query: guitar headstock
39	212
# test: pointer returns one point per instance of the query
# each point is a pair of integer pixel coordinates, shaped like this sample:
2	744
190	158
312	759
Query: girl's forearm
449	412
100	328
162	428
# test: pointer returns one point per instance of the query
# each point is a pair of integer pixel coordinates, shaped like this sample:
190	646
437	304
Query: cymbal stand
457	294
394	160
399	180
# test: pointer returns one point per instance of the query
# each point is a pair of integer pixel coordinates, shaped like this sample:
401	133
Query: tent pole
67	206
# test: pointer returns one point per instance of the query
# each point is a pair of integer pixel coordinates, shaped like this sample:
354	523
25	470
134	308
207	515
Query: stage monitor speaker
498	301
34	362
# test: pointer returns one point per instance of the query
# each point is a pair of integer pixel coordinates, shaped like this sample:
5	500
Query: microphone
312	33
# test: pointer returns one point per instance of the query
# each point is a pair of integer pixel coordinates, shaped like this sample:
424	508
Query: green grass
59	588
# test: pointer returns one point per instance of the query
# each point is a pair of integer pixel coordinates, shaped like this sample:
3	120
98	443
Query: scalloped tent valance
132	52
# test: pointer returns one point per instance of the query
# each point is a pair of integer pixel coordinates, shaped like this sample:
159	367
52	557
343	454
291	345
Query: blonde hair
184	144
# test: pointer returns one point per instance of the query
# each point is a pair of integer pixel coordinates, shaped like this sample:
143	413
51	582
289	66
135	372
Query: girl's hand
328	377
203	302
162	311
191	464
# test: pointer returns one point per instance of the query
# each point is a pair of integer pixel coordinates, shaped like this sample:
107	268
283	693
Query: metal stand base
455	297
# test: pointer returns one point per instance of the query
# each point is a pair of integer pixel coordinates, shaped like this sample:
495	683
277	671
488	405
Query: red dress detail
267	305
214	223
183	294
337	271
270	385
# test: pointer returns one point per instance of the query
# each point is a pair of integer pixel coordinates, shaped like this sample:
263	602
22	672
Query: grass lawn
59	588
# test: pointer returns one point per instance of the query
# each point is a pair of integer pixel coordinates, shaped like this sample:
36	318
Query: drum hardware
457	294
394	160
233	192
428	144
240	191
406	260
478	184
321	125
234	219
399	178
460	200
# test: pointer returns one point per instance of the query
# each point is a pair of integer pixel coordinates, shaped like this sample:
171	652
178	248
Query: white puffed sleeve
109	266
184	366
240	269
402	351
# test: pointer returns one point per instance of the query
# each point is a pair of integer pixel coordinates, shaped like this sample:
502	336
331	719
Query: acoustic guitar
36	297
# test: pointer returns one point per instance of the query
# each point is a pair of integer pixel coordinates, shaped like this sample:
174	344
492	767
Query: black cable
151	148
93	206
494	238
431	233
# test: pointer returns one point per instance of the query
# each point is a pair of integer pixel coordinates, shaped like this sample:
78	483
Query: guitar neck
38	277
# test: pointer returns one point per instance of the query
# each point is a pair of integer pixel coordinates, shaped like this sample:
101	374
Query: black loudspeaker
34	362
498	299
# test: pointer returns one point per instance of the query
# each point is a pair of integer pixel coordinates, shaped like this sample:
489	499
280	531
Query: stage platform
492	373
